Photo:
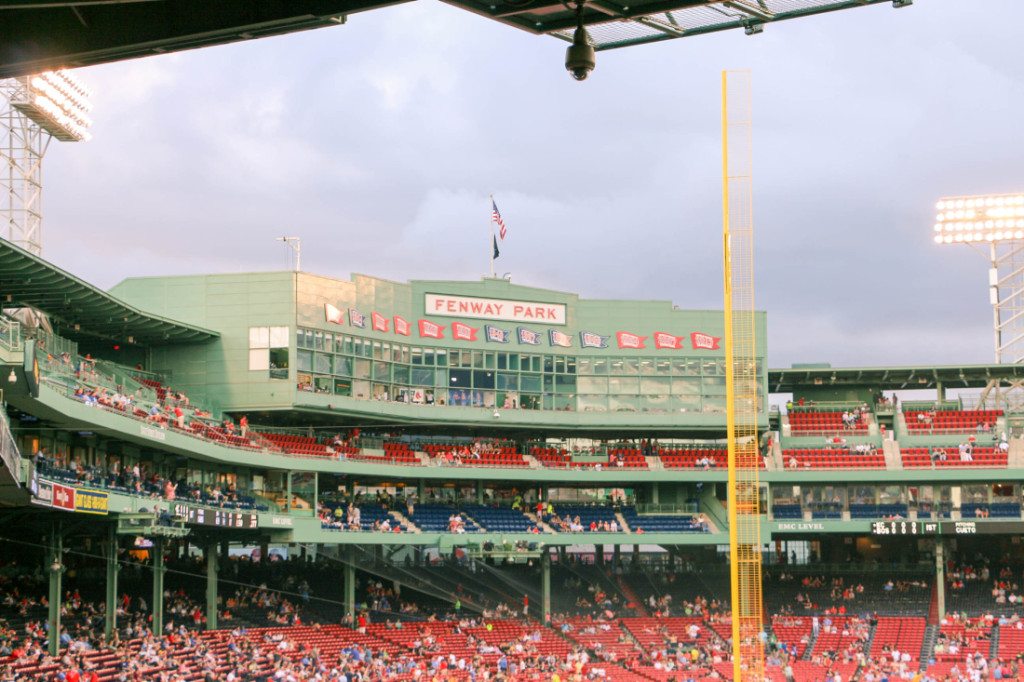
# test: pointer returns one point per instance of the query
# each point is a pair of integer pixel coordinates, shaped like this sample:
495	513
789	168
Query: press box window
268	350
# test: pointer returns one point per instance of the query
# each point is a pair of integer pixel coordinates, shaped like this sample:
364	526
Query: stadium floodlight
58	103
34	110
995	220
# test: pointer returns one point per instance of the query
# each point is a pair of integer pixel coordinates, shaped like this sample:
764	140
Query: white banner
444	305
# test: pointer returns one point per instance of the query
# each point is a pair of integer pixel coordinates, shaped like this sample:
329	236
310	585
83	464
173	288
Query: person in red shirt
243	425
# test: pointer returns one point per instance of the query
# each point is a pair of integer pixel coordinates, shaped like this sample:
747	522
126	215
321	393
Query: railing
10	334
9	450
826	406
666	508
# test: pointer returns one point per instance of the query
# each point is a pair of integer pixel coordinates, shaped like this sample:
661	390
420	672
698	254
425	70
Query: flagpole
490	243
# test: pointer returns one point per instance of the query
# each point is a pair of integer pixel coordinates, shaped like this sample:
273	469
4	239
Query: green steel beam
56	571
110	617
157	607
212	567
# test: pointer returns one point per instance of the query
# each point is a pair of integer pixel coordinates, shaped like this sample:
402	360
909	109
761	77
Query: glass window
507	381
460	377
382	371
565	384
428	357
654	386
378	353
646	366
278	363
483	379
478	359
343	387
417	356
711	368
632	366
318	340
259	359
303	358
584	367
513	361
600	366
259	337
597	385
616	366
549	363
560	365
502	360
322	363
623	385
420	377
362	370
279	337
342	365
442	358
530	382
300	338
663	367
489	361
401	374
592	403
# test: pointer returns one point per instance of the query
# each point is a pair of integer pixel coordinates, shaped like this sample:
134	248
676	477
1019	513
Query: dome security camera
497	415
580	58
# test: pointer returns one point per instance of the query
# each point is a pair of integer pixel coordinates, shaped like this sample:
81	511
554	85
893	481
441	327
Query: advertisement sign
445	305
63	497
91	501
43	494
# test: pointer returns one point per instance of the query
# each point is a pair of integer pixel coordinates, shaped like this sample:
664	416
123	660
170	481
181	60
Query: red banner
702	341
628	340
402	326
378	322
429	330
333	315
63	497
463	332
666	340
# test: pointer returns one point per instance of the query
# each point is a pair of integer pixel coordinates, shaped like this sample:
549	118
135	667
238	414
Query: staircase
401	518
1016	453
622	522
11	491
931	633
891	450
632	598
540	524
811	643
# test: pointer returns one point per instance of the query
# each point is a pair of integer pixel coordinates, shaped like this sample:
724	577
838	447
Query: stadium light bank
998	221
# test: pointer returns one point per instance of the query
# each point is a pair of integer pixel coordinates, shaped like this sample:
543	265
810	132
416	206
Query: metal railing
10	334
9	449
666	508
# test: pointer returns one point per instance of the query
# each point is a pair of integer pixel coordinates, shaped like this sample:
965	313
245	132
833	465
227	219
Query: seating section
586	513
947	421
463	455
500	519
787	511
878	511
807	422
1006	510
551	457
659	523
298	445
1011	642
436	518
793	631
832	458
963	638
627	458
400	453
981	457
905	634
694	457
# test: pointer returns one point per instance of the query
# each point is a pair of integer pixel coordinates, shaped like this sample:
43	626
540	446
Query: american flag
496	218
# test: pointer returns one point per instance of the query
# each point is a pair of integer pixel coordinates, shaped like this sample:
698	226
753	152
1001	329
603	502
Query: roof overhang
79	310
891	378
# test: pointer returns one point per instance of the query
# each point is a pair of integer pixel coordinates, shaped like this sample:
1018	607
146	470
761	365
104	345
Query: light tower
994	225
34	110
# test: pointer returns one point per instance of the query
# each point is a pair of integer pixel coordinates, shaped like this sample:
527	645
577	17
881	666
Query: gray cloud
379	141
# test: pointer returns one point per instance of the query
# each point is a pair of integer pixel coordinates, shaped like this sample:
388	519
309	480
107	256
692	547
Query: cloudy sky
378	142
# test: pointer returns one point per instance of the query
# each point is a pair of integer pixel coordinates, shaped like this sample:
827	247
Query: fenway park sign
444	305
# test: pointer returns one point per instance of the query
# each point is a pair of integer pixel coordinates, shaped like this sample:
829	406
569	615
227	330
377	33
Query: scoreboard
930	528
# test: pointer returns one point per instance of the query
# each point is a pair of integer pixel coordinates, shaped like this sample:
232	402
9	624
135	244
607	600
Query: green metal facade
605	388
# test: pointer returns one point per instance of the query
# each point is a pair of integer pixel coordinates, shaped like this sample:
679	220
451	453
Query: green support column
421	491
940	576
288	494
350	586
110	622
617	561
157	607
316	492
479	492
212	567
56	570
940	391
655	493
599	555
545	586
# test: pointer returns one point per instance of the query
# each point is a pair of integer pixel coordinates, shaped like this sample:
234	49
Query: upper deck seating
831	458
905	633
980	457
809	421
694	457
950	421
499	519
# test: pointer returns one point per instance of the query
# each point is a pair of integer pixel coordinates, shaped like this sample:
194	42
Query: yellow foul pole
741	378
